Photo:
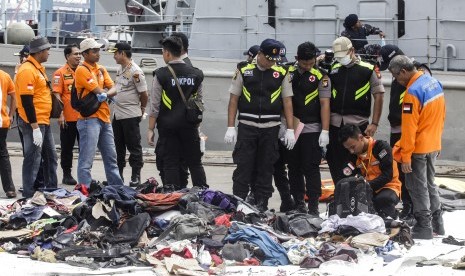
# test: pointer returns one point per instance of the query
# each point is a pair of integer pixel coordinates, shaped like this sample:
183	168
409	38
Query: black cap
253	51
386	53
23	52
120	46
282	52
270	48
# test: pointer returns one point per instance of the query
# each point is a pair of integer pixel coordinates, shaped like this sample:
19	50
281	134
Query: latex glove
37	137
324	138
230	136
289	139
101	97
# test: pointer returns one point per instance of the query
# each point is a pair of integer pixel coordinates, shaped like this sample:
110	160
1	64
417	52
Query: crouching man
376	165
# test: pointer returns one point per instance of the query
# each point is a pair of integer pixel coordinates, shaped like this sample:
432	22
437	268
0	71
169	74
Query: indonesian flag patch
407	108
30	86
90	80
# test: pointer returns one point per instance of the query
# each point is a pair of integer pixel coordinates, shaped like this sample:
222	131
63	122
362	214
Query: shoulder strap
177	83
82	91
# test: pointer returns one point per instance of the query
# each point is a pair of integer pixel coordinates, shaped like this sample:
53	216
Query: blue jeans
95	133
33	155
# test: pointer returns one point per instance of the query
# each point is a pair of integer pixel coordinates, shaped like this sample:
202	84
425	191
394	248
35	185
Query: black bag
130	231
194	106
86	105
352	196
204	210
304	225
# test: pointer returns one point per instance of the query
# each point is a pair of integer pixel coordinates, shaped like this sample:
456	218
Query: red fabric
82	188
216	259
159	202
162	253
250	261
71	229
223	220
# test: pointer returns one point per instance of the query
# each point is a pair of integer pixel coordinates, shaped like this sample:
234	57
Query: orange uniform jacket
63	79
423	116
8	88
379	168
97	77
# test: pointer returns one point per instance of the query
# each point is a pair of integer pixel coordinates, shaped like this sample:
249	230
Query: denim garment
33	155
93	134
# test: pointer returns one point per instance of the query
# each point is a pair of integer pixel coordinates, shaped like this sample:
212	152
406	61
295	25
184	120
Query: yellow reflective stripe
246	93
276	94
336	65
247	67
401	100
292	68
279	69
311	96
165	99
362	91
366	64
317	73
334	93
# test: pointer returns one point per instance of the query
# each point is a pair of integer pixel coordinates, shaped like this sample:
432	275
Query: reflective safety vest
172	108
261	99
351	89
305	102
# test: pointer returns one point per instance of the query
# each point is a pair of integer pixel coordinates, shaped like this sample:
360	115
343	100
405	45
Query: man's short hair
172	44
184	39
69	49
401	62
306	51
349	131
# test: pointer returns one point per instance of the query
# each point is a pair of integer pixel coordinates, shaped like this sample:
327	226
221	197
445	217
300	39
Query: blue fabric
33	156
426	89
63	193
123	197
93	134
30	214
275	254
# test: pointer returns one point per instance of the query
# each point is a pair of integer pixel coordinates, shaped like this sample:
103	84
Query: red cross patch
275	75
311	78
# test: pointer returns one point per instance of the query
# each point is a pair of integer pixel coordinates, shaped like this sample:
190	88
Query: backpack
217	198
86	105
352	196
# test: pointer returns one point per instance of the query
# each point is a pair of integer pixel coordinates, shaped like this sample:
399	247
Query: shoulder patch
378	73
382	154
136	77
325	81
235	74
68	76
407	108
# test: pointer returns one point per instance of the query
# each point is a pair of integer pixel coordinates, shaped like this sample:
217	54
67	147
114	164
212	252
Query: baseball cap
121	46
89	43
253	51
38	43
282	52
270	48
386	54
341	46
23	52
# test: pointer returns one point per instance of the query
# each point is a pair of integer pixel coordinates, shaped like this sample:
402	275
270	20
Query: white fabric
364	223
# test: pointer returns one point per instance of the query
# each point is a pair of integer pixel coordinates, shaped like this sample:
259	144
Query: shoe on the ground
438	222
135	181
68	180
10	194
287	205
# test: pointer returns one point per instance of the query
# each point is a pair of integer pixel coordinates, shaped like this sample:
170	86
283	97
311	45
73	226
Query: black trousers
385	201
127	136
68	136
305	163
177	144
257	150
5	165
183	170
405	195
337	156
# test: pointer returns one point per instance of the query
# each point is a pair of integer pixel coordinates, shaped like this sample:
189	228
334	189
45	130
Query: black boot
287	202
407	211
300	206
422	229
437	222
261	204
121	171
313	203
250	198
135	177
68	178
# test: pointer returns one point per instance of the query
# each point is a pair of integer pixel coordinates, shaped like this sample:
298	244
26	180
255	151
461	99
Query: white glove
324	138
230	136
101	97
289	139
37	137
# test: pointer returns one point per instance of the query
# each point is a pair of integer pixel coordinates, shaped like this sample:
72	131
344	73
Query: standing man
358	32
396	99
423	116
95	130
131	101
312	93
354	83
376	165
260	91
33	96
6	118
178	137
63	79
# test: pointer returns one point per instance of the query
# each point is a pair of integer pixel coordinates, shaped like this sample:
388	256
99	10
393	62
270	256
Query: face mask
344	60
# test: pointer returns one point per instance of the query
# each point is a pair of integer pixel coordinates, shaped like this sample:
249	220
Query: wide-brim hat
38	44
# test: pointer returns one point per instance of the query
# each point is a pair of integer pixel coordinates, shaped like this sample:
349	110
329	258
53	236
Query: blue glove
101	97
